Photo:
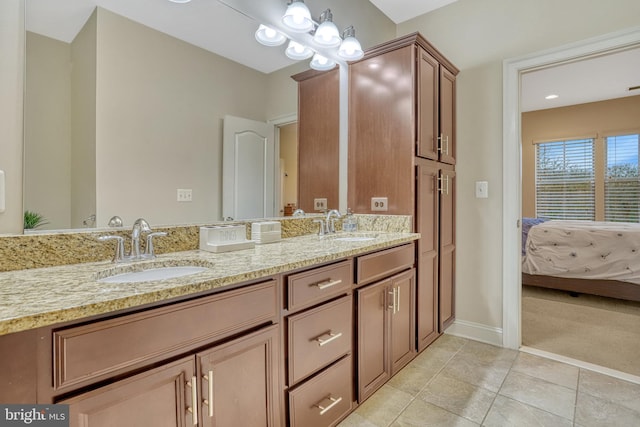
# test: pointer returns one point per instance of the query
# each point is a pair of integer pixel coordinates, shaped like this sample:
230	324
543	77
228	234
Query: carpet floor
598	330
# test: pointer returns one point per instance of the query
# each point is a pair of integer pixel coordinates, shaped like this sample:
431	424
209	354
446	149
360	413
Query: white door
248	169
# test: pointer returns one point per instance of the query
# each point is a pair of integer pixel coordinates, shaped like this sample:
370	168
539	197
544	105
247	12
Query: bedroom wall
595	119
477	36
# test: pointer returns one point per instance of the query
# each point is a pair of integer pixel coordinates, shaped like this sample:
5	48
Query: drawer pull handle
332	337
194	399
209	400
328	283
333	403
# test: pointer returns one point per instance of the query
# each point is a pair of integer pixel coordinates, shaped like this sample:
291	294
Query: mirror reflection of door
248	169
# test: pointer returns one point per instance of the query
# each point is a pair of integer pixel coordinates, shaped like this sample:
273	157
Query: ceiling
209	23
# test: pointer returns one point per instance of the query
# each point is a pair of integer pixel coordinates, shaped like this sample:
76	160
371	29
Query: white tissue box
266	232
224	238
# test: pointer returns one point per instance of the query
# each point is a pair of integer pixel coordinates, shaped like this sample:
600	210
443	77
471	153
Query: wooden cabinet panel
91	352
325	399
319	284
447	249
402	322
318	137
318	337
381	131
373	355
427	224
18	352
241	379
159	397
384	263
428	105
447	116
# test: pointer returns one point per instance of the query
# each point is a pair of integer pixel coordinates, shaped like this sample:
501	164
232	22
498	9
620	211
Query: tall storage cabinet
402	146
318	137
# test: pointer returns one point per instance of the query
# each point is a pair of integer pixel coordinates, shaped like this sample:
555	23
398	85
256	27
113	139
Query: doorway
512	181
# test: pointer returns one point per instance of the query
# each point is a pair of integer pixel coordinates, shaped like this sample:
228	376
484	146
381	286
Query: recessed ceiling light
179	1
552	96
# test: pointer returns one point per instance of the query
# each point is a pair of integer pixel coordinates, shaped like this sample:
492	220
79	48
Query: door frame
512	159
277	123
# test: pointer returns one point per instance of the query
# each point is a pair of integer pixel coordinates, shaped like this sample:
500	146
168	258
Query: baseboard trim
475	331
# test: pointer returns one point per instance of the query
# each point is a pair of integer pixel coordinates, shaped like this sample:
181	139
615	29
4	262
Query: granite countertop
45	296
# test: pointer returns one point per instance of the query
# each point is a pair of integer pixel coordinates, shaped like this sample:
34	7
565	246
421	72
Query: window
622	181
565	179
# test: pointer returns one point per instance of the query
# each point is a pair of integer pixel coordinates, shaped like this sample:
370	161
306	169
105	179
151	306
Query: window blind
622	183
565	179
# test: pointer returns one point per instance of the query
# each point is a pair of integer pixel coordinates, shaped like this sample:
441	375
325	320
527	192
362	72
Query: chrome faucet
330	223
139	226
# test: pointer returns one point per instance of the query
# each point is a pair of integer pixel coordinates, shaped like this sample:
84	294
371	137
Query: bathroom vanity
297	332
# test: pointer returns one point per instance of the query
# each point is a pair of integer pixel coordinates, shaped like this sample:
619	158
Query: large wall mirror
119	116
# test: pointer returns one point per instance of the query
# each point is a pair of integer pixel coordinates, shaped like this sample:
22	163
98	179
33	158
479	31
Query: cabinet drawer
104	348
325	399
384	263
316	285
319	336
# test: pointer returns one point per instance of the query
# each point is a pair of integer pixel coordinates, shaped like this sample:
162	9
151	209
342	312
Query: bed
592	257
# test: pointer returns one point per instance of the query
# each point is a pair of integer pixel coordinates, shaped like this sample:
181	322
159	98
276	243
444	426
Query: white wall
477	36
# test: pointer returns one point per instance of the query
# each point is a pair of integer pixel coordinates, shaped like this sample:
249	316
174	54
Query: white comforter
585	250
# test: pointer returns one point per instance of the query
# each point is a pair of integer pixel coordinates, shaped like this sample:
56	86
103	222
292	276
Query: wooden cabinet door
447	116
428	105
373	356
318	138
239	381
427	224
159	397
447	248
402	336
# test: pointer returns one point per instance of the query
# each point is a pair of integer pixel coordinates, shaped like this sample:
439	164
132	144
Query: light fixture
297	18
179	1
322	63
269	37
350	48
297	51
327	34
323	37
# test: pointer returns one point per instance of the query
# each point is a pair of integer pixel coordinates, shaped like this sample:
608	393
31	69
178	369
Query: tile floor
459	382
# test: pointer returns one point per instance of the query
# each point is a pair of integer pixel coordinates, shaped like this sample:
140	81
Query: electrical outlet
320	204
185	195
379	204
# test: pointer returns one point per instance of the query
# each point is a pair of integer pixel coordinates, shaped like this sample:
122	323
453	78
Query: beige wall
289	157
477	36
160	104
47	167
595	119
11	103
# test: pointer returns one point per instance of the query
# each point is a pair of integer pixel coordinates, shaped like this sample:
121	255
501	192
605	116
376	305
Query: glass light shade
321	63
350	49
297	51
327	35
269	37
297	17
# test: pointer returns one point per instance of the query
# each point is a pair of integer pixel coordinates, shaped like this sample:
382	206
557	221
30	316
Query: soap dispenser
350	223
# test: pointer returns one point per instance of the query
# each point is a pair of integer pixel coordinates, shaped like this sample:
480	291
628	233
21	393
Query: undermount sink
151	274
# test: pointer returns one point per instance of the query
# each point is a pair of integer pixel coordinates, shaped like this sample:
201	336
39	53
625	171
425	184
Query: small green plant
33	220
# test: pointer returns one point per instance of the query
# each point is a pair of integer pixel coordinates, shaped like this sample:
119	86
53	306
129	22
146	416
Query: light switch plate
482	189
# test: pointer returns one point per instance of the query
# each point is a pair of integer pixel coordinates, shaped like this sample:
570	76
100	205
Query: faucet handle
119	255
148	250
